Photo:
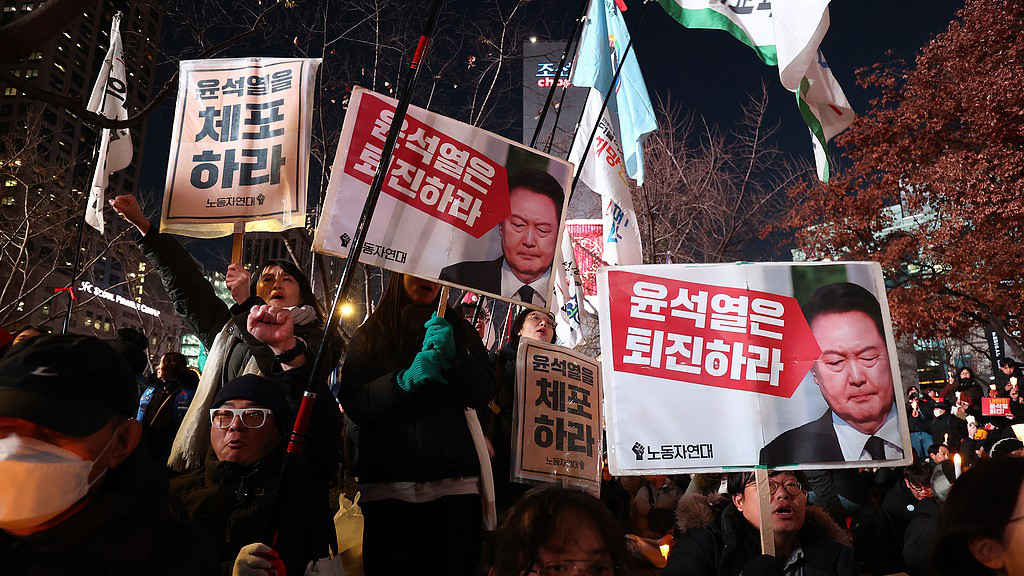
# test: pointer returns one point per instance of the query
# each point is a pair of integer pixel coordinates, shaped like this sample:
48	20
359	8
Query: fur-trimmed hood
700	511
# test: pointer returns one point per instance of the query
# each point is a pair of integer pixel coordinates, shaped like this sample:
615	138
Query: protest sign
239	146
459	205
714	367
995	406
557	435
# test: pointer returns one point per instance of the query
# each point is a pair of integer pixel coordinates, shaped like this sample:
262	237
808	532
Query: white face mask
39	480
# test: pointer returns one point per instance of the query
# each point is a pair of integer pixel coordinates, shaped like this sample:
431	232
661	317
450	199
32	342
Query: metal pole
558	73
298	435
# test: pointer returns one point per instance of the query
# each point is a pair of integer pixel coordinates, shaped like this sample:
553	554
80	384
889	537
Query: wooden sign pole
236	243
443	304
764	502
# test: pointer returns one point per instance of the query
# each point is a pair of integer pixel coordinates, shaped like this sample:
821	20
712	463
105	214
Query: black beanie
263	391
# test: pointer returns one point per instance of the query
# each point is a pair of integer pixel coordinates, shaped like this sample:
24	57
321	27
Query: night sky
707	72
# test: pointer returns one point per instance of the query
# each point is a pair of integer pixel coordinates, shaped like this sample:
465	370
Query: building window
46	310
27	7
35	56
88	319
9	91
7	201
10	182
21	306
32	73
10	8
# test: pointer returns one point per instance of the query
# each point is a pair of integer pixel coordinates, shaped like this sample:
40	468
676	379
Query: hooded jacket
124	529
716	540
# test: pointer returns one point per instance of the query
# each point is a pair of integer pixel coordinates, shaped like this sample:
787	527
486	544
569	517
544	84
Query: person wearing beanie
77	493
231	495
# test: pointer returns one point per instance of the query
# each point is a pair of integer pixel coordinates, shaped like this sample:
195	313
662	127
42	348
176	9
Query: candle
957	465
664	550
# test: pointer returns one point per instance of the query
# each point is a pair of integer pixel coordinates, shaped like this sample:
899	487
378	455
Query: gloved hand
439	337
763	565
426	367
258	560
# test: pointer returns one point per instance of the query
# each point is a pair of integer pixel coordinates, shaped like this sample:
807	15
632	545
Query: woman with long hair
408	377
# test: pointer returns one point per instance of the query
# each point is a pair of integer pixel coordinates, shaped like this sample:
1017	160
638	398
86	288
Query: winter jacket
233	504
498	425
124	529
206	315
418	436
716	540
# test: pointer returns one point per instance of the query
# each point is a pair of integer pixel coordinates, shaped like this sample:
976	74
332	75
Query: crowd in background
107	470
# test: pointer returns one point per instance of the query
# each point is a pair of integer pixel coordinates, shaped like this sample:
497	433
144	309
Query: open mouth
276	296
784	511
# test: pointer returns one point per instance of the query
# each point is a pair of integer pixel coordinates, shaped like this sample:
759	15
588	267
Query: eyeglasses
249	417
537	317
581	567
792	487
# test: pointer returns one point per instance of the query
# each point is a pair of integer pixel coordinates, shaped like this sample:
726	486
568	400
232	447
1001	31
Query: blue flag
604	40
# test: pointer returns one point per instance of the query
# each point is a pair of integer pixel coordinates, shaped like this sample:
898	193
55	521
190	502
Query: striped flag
109	98
784	34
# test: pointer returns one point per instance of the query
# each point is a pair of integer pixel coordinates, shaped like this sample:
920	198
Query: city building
46	165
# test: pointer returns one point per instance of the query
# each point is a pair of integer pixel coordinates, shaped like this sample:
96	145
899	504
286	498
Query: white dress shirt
853	442
510	284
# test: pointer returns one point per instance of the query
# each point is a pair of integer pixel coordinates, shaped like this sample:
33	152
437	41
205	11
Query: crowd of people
107	470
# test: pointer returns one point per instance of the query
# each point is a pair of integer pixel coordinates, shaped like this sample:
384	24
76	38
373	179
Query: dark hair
27	327
547	514
177	367
385	334
1004	447
539	182
980	505
969	371
843	297
1007	363
919	473
517	325
737	481
934	448
305	288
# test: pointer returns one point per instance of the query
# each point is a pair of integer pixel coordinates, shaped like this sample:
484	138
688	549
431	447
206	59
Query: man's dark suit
813	442
484	276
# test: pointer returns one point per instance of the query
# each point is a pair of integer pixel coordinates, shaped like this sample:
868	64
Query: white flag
568	296
605	173
109	98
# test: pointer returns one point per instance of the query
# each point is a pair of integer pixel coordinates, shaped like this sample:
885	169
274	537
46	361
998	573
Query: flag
787	35
109	98
601	46
604	173
568	296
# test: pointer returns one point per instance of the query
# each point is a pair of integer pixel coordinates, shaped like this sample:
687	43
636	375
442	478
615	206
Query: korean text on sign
562	399
430	171
719	336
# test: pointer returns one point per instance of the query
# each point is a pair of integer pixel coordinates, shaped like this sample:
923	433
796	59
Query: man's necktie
526	294
876	448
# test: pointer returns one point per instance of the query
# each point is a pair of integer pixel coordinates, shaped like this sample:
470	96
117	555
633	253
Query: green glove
439	337
426	367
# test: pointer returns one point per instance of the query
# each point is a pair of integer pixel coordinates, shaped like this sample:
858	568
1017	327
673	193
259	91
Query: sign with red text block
710	335
715	367
239	146
444	197
557	434
995	406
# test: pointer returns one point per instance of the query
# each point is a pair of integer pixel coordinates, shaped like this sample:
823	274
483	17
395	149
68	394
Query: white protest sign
459	204
239	146
714	367
557	428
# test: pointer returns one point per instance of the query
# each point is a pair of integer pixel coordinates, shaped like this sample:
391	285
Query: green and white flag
784	34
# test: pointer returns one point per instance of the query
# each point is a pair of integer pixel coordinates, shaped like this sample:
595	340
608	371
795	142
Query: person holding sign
269	330
407	380
855	378
719	536
497	420
529	237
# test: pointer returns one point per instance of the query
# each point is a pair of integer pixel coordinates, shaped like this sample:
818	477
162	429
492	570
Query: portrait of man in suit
855	378
529	237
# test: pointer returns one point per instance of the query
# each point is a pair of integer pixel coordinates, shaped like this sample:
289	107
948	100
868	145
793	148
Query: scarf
192	441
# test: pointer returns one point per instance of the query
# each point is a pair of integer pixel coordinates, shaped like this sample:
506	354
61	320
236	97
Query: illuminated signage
89	288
